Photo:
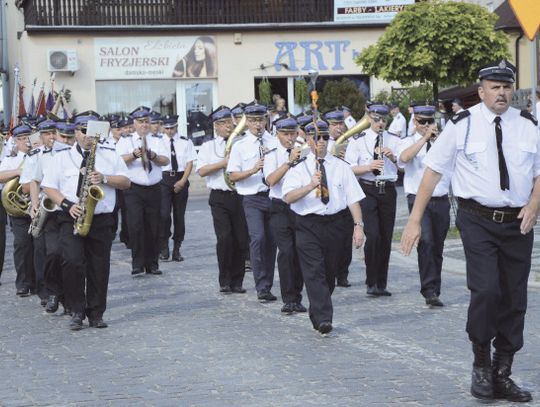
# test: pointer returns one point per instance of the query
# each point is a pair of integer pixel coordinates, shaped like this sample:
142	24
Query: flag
49	105
14	120
22	109
40	105
32	101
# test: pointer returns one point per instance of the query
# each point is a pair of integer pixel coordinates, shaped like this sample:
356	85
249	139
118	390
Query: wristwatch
361	224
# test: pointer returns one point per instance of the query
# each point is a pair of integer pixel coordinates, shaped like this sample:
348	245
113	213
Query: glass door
195	101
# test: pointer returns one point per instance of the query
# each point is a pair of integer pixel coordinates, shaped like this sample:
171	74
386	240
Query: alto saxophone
89	195
46	206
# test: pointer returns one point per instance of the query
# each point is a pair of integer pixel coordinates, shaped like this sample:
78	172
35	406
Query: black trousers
3	222
231	233
178	203
283	226
53	256
23	253
498	260
379	215
86	264
318	239
143	216
262	247
435	224
346	255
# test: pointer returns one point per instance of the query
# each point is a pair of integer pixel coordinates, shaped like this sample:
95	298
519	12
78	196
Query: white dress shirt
360	152
244	155
414	169
343	187
411	128
398	126
472	160
12	163
212	152
63	174
272	162
184	150
136	173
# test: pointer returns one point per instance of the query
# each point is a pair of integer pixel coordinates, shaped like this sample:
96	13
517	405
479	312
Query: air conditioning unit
62	60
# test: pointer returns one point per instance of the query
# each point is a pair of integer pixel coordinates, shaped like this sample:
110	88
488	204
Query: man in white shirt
322	190
86	258
144	156
283	219
225	204
436	219
398	127
492	153
174	186
245	168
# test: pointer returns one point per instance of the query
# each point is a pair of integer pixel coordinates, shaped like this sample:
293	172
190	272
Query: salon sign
155	57
368	11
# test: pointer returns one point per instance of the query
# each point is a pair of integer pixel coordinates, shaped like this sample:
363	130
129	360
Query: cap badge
502	64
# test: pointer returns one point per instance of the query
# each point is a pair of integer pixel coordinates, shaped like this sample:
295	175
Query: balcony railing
141	13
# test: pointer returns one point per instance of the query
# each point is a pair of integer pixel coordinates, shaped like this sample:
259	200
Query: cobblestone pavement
173	340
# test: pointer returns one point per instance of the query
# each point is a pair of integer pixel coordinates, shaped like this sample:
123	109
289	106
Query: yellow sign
528	15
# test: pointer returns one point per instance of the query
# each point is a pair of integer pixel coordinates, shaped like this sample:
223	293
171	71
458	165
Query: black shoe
176	256
325	327
67	311
383	292
76	322
298	307
155	272
503	386
238	290
52	304
266	296
343	282
434	301
482	383
23	292
247	266
164	254
97	323
373	291
225	289
137	272
43	302
288	308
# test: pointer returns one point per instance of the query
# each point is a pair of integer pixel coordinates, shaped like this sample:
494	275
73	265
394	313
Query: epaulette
460	116
296	162
183	137
394	134
529	116
357	136
62	149
127	135
46	151
33	152
157	135
269	151
107	148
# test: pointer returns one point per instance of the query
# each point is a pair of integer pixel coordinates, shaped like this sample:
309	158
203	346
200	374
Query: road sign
528	14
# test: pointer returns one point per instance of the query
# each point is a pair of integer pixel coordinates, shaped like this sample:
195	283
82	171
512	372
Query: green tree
443	43
344	92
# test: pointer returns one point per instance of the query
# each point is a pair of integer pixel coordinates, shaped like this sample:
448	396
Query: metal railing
58	13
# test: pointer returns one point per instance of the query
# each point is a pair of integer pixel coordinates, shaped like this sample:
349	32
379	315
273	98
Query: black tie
428	145
84	155
174	162
503	171
376	154
325	197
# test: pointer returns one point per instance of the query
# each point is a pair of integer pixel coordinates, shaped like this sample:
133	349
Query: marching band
302	194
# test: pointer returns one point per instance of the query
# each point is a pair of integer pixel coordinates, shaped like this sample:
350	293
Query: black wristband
66	205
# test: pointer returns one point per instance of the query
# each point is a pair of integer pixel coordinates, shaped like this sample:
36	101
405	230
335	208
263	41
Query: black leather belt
503	214
260	193
173	173
376	183
221	191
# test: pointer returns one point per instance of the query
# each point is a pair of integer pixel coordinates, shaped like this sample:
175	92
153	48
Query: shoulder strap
460	116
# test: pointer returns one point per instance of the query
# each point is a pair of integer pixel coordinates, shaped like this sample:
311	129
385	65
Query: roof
507	19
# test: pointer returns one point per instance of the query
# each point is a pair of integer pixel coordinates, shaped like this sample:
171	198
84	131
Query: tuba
343	140
89	195
14	200
239	129
46	206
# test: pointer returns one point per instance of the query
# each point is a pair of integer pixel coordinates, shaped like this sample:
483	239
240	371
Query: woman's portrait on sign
199	62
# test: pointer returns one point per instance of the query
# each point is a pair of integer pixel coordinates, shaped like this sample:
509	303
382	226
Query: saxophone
46	206
239	129
89	195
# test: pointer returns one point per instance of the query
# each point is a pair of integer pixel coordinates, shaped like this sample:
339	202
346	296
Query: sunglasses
325	137
378	119
425	121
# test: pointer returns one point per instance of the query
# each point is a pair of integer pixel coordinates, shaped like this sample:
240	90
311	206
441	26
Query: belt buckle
498	216
380	183
172	173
